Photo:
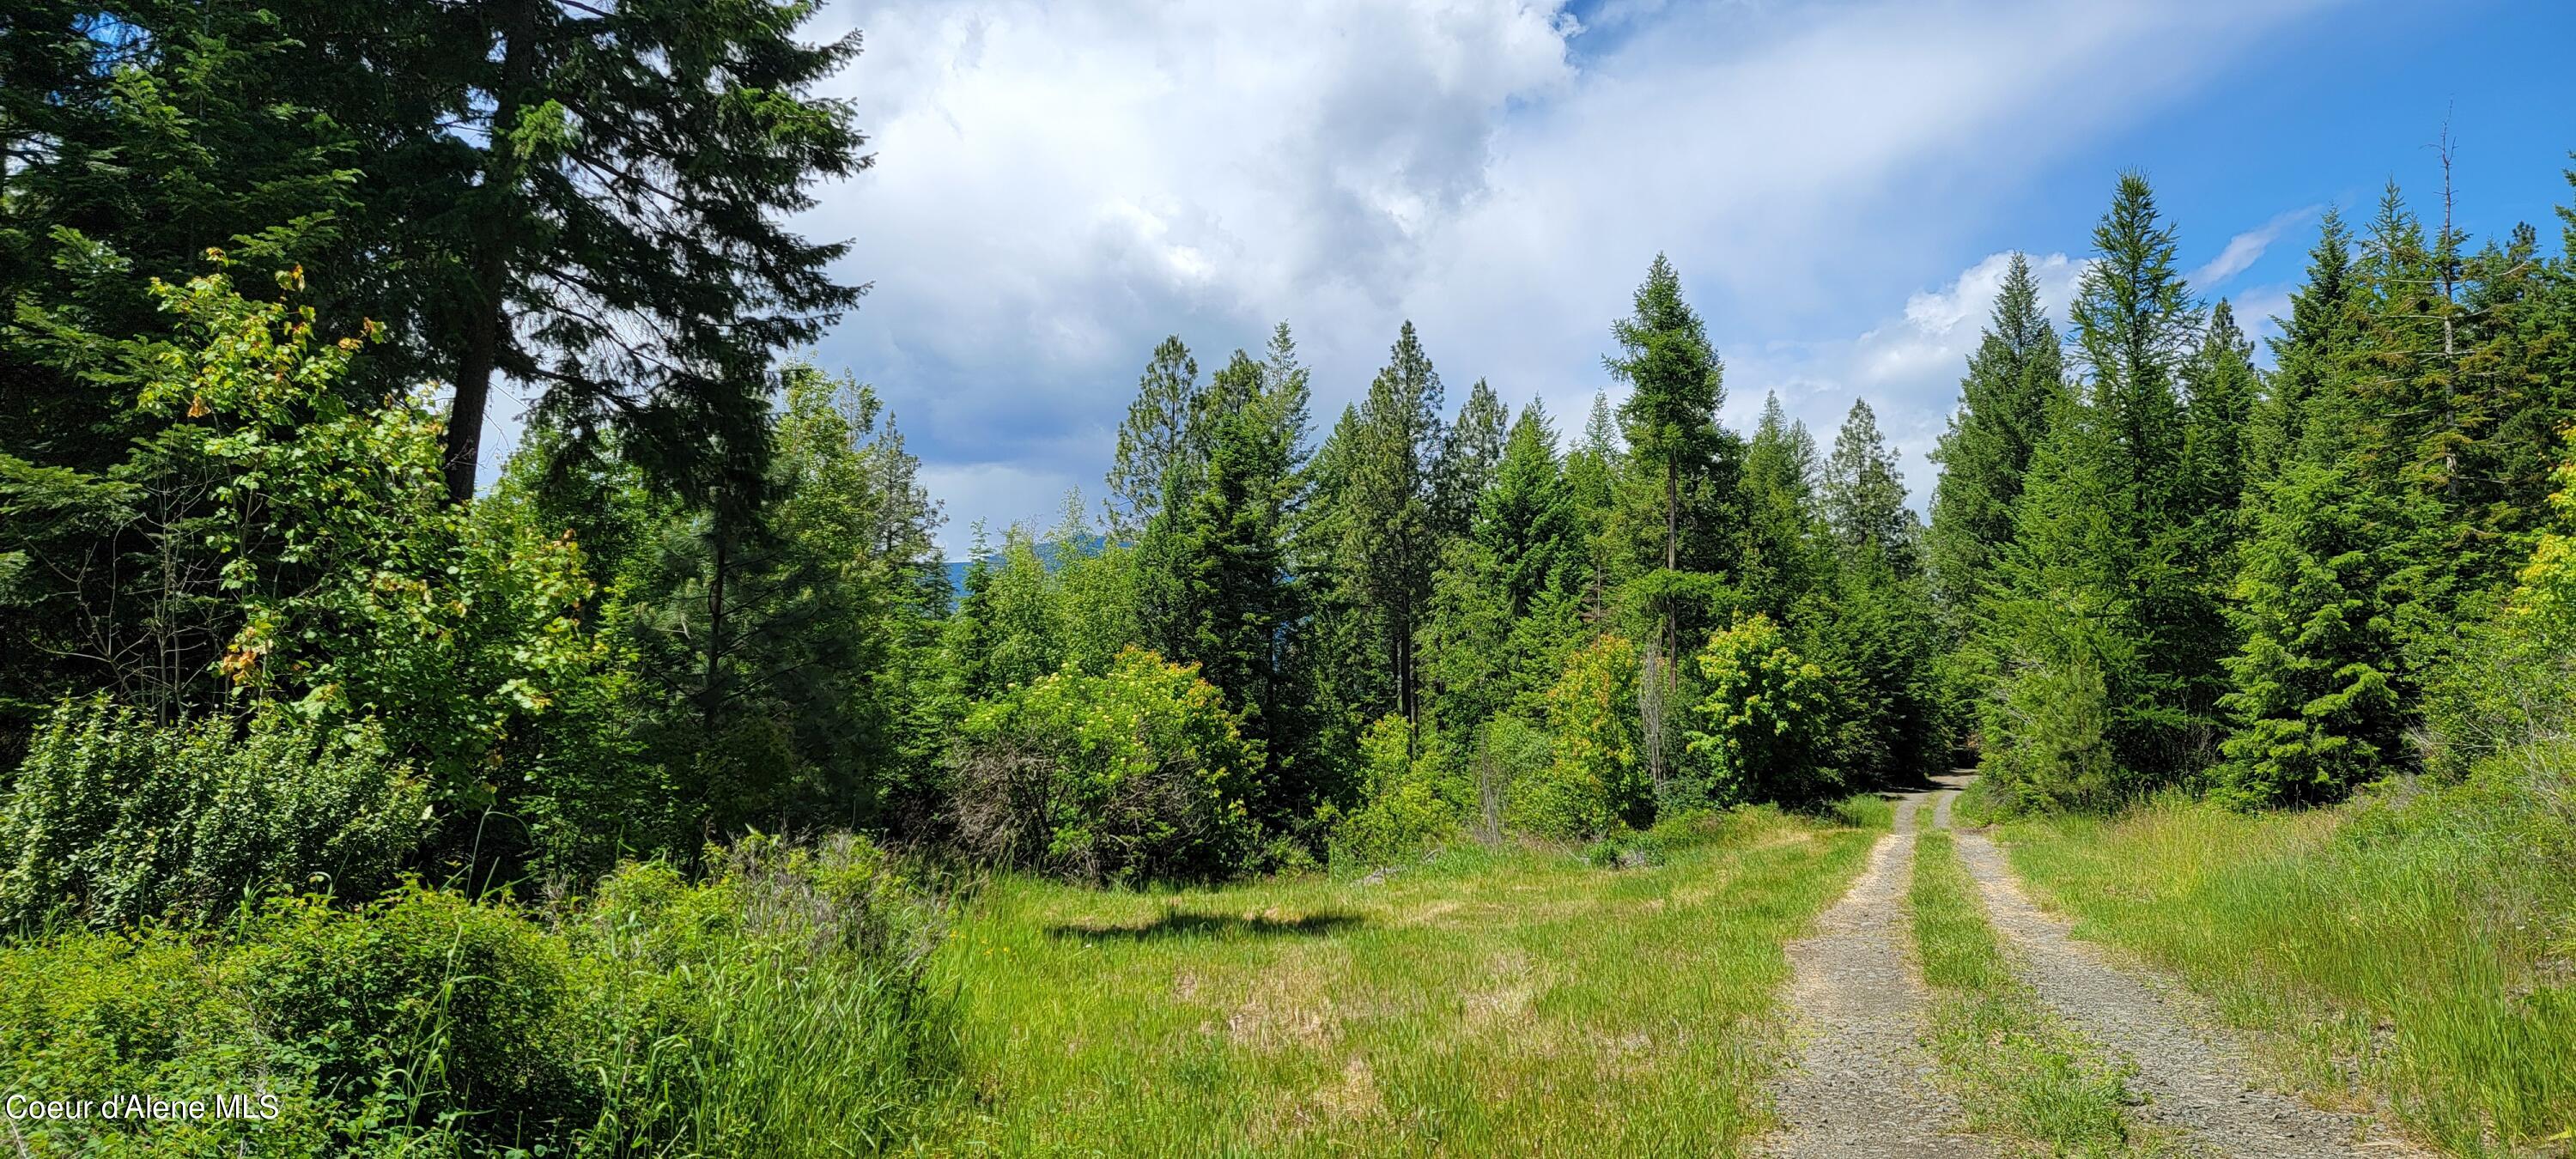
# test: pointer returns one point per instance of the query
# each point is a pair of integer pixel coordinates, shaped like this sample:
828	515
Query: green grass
1975	807
2019	1072
2416	950
1511	1001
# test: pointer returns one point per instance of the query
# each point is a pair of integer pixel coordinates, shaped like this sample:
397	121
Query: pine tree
2314	342
1871	629
1233	596
1338	666
1469	454
2063	718
2316	702
2136	328
1784	555
1526	519
1675	387
593	201
1390	547
1153	438
2013	380
1593	472
1864	495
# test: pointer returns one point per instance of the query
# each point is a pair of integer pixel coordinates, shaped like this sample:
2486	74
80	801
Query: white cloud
1060	184
1908	366
2246	248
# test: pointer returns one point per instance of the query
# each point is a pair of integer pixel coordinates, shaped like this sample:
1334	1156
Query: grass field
2417	949
2018	1071
1508	1001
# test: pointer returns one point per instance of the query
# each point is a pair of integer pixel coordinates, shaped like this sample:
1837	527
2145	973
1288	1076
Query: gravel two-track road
1863	1085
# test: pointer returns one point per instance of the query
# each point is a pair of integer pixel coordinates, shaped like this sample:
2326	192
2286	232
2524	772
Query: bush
1135	774
114	818
1596	779
2513	681
1404	812
2051	723
1768	713
777	1009
438	1005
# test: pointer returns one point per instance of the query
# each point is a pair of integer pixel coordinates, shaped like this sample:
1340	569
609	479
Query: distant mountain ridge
1046	555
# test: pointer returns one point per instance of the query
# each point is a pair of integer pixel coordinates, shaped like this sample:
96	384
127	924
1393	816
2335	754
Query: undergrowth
777	1008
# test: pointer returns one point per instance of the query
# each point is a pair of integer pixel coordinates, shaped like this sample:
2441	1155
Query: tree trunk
719	555
1672	551
474	367
486	313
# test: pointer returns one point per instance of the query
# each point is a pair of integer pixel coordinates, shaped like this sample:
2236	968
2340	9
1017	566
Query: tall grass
2017	1069
1491	1001
2416	948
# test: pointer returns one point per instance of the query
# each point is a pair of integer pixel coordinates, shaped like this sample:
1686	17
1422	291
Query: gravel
2198	1082
1863	1084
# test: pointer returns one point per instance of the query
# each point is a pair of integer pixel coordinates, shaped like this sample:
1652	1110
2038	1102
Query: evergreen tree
1155	436
1469	454
1526	519
1864	496
1593	471
2314	342
2065	715
1670	417
1499	604
2315	702
1871	630
1338	666
598	209
2012	382
1233	595
2135	329
1390	546
1784	556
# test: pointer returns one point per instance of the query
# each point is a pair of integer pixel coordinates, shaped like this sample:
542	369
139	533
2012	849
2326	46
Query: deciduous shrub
2513	680
1403	811
1767	714
1597	776
777	1008
113	818
1135	774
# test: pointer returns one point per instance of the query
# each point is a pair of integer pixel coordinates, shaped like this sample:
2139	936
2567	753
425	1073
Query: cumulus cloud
1908	366
1059	184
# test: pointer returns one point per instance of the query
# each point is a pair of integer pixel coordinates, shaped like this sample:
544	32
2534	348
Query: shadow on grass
1175	924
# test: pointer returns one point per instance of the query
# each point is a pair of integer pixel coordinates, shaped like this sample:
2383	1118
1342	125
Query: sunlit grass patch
2412	949
1514	1000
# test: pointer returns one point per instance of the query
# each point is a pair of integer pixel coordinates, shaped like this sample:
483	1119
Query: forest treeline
269	661
704	597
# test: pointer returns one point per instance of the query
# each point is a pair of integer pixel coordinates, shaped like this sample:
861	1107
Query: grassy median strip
2018	1071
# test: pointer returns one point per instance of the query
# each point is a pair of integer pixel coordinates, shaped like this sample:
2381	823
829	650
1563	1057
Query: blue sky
1058	185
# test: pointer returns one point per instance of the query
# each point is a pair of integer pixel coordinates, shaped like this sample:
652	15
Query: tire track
1862	1085
2197	1079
